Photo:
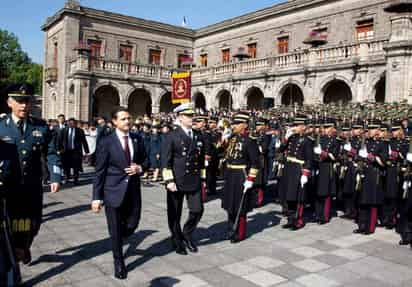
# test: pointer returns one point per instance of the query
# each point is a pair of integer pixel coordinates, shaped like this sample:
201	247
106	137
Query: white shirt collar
121	134
186	130
16	119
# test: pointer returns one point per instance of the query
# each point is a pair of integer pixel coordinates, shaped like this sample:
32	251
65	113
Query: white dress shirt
16	120
189	132
121	136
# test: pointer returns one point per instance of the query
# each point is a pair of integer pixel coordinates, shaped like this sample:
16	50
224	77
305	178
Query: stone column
399	52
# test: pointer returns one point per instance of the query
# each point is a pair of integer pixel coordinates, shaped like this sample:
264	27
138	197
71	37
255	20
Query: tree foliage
15	64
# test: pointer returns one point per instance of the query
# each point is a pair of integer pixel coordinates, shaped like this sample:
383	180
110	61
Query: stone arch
139	102
165	104
199	101
255	98
336	90
377	90
105	99
224	99
290	94
334	81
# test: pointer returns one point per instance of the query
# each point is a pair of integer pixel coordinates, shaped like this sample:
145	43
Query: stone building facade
95	60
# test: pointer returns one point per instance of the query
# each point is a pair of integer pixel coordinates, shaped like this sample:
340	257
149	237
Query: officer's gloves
289	133
317	150
347	147
247	185
363	153
409	157
303	180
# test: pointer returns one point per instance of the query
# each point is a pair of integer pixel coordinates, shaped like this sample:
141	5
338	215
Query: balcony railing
351	54
105	66
343	54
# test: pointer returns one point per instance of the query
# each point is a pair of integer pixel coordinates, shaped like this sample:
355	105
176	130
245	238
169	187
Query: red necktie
127	150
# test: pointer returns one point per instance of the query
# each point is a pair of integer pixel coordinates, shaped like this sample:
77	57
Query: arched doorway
200	101
337	91
291	94
105	100
225	100
140	103
255	99
380	90
166	105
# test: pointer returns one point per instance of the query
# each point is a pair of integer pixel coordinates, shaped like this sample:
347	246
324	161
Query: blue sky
24	17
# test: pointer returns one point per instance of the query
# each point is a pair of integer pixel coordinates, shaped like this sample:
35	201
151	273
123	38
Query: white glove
289	133
405	186
347	147
206	163
317	150
409	157
303	180
277	144
363	153
247	185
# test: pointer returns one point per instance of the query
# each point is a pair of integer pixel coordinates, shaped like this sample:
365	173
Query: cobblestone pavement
73	250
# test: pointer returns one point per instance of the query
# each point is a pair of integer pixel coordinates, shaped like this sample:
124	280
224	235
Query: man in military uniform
263	141
398	149
327	153
242	166
296	172
212	157
9	175
34	140
351	149
373	156
183	158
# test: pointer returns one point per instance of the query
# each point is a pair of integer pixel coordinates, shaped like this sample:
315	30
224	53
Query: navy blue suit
120	192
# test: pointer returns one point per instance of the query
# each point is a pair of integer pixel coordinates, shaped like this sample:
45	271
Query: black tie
20	126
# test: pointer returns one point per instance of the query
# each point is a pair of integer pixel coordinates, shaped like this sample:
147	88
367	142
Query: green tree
15	64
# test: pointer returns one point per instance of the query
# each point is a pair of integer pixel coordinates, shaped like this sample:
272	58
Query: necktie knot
20	126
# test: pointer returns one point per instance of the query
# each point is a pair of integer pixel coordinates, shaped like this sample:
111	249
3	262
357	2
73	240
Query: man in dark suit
72	139
120	160
183	157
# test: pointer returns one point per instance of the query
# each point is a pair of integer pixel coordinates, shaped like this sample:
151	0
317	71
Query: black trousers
211	178
174	213
389	211
72	160
122	221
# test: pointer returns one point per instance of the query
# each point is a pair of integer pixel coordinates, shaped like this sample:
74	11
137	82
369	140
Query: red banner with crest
181	83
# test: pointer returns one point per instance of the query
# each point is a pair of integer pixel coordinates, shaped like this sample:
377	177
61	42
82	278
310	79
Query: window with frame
95	48
154	56
321	32
180	59
252	50
225	56
203	60
283	45
365	30
125	53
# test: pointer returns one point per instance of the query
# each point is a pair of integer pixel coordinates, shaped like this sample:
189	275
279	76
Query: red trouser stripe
326	211
373	219
260	197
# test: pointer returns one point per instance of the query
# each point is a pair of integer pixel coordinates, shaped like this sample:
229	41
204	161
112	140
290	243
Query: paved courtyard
73	250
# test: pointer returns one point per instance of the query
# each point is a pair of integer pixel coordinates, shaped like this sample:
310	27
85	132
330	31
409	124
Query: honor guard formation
350	160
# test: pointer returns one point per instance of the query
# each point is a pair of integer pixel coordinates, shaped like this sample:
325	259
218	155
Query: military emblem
37	133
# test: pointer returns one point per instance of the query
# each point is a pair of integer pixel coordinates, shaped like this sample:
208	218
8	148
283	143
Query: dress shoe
27	257
404	242
190	244
358	231
287	225
120	271
234	239
298	226
180	247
